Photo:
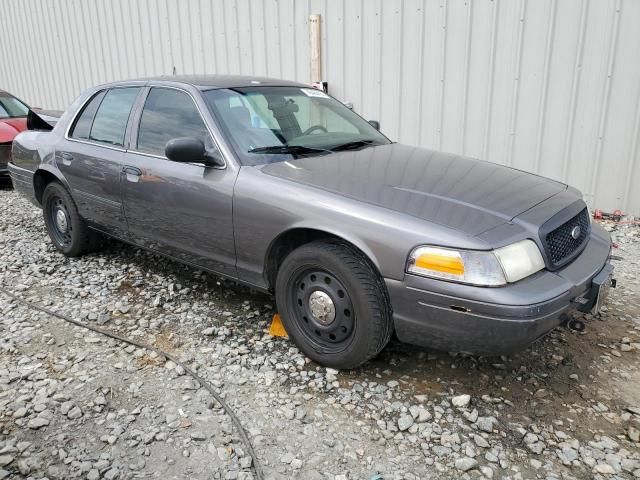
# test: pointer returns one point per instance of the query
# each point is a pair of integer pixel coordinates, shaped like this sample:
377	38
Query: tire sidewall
356	350
51	191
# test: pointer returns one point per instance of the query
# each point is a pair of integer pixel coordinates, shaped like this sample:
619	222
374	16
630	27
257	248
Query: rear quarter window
82	125
110	122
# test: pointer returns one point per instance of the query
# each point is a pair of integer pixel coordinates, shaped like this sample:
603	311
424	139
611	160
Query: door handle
67	158
133	174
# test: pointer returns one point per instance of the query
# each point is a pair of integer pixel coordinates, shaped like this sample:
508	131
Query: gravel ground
77	405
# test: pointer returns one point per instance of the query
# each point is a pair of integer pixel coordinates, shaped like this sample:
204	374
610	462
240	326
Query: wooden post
315	53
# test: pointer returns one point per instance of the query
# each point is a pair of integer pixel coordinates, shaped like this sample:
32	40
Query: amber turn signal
441	263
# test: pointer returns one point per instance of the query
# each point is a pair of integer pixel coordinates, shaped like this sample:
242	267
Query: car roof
207	82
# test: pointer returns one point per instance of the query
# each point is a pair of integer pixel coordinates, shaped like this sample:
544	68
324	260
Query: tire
333	304
67	230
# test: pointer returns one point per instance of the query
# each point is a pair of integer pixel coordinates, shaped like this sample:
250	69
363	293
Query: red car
13	120
15	117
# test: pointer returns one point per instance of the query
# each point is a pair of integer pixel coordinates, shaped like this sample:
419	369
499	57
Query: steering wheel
313	128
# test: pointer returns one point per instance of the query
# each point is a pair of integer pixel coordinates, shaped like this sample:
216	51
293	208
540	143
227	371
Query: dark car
281	187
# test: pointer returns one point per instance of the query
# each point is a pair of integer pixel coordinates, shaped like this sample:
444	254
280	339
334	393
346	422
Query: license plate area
593	299
601	285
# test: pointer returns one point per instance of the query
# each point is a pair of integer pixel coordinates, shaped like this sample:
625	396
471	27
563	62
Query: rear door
180	209
92	155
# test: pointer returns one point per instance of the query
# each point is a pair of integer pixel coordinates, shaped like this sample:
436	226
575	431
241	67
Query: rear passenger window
82	127
169	114
110	122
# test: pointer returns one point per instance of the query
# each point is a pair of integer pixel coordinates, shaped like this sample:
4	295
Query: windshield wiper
293	149
353	145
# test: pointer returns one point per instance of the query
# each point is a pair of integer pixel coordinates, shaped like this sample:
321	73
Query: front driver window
169	114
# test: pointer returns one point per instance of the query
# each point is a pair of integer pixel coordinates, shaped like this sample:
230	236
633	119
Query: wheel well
41	179
288	241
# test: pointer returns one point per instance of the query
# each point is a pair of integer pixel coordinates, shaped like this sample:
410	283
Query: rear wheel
333	304
67	230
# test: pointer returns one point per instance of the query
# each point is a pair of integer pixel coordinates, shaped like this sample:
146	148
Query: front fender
265	207
330	230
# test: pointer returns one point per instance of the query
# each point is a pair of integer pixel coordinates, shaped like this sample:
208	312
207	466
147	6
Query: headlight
519	260
485	268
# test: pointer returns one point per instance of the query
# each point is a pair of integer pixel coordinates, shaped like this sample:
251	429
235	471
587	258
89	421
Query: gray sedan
281	187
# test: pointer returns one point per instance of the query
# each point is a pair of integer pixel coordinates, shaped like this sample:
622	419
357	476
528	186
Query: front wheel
333	304
67	230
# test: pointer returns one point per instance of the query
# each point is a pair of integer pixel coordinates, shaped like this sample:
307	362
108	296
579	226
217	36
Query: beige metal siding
550	86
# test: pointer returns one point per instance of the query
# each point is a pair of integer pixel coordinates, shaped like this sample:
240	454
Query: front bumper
462	318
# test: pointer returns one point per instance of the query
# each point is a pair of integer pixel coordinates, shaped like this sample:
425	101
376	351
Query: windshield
11	107
272	124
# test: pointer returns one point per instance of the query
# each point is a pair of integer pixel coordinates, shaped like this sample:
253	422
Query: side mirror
375	124
189	149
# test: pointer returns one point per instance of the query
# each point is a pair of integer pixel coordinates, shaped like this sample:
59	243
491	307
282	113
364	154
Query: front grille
561	245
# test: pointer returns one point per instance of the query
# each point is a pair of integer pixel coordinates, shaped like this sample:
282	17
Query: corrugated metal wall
550	86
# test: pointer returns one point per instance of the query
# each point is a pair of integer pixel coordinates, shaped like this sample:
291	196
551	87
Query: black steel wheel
59	219
67	230
333	304
326	309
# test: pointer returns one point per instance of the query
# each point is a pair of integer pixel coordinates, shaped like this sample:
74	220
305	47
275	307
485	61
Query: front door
180	209
91	159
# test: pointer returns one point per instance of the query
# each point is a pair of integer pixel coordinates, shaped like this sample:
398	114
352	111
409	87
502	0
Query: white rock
480	441
466	464
486	423
405	422
604	468
19	413
38	422
74	413
486	471
536	447
461	401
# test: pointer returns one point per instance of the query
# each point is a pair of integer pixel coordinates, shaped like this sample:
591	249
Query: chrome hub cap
61	221
322	307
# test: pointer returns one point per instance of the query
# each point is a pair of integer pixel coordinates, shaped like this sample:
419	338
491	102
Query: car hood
10	127
463	193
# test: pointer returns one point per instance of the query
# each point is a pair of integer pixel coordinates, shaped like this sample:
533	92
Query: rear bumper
22	180
462	318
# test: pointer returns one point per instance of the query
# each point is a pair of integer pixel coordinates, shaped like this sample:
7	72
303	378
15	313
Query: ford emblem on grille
575	232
